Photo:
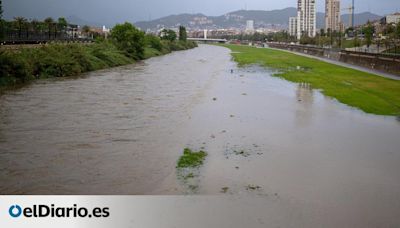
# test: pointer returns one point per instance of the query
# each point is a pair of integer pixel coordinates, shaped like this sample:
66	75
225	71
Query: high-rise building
332	15
250	25
306	18
293	26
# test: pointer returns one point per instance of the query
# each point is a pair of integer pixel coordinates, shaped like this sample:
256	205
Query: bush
153	42
57	60
129	39
60	60
13	69
178	45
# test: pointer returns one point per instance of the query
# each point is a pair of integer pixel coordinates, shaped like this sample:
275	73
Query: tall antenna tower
352	14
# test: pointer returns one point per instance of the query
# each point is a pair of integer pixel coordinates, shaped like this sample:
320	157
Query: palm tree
62	24
35	25
20	22
49	22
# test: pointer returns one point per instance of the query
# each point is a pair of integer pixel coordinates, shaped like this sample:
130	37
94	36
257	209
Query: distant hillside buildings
392	18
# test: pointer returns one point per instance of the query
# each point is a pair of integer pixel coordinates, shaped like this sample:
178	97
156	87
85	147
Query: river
121	131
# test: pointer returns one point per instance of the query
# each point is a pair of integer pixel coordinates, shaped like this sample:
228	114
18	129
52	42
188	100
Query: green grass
191	159
151	52
368	92
351	43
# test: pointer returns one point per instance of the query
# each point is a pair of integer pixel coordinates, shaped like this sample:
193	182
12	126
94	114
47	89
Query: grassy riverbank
22	65
368	92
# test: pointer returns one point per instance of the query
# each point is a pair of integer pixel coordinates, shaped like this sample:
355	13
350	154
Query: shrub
153	42
13	69
129	39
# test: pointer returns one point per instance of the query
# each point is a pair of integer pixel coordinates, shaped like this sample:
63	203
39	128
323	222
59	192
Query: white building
250	26
393	18
306	18
293	26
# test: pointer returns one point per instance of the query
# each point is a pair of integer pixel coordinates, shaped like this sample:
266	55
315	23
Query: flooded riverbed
121	131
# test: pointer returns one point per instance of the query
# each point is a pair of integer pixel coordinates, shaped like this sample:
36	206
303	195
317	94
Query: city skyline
109	12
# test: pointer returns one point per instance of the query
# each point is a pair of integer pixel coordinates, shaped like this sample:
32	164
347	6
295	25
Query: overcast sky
113	11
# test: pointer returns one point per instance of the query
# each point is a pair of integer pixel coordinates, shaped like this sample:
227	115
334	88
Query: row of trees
364	35
168	34
133	41
1	10
21	27
1	19
49	28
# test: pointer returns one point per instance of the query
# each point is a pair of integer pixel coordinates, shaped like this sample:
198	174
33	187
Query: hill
277	19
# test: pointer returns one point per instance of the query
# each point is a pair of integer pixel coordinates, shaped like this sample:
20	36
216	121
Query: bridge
207	40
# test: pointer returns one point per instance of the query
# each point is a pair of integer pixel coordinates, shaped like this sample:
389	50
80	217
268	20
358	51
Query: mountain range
262	19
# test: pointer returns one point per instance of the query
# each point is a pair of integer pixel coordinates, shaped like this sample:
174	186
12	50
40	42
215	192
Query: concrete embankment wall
380	62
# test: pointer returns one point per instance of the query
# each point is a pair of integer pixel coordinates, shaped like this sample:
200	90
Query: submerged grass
191	159
368	92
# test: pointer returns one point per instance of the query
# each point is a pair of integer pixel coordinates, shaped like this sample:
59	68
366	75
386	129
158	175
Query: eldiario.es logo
43	211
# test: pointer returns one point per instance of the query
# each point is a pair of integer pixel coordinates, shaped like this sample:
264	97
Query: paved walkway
364	69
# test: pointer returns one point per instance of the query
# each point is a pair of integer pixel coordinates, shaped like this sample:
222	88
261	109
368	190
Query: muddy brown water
121	131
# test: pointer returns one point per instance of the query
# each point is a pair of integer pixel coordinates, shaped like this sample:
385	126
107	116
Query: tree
1	10
397	31
368	31
389	29
356	41
1	20
322	32
182	33
349	32
62	23
35	25
49	22
129	39
20	23
153	42
168	34
86	30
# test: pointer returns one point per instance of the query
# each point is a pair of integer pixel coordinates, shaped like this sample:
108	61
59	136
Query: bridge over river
208	40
